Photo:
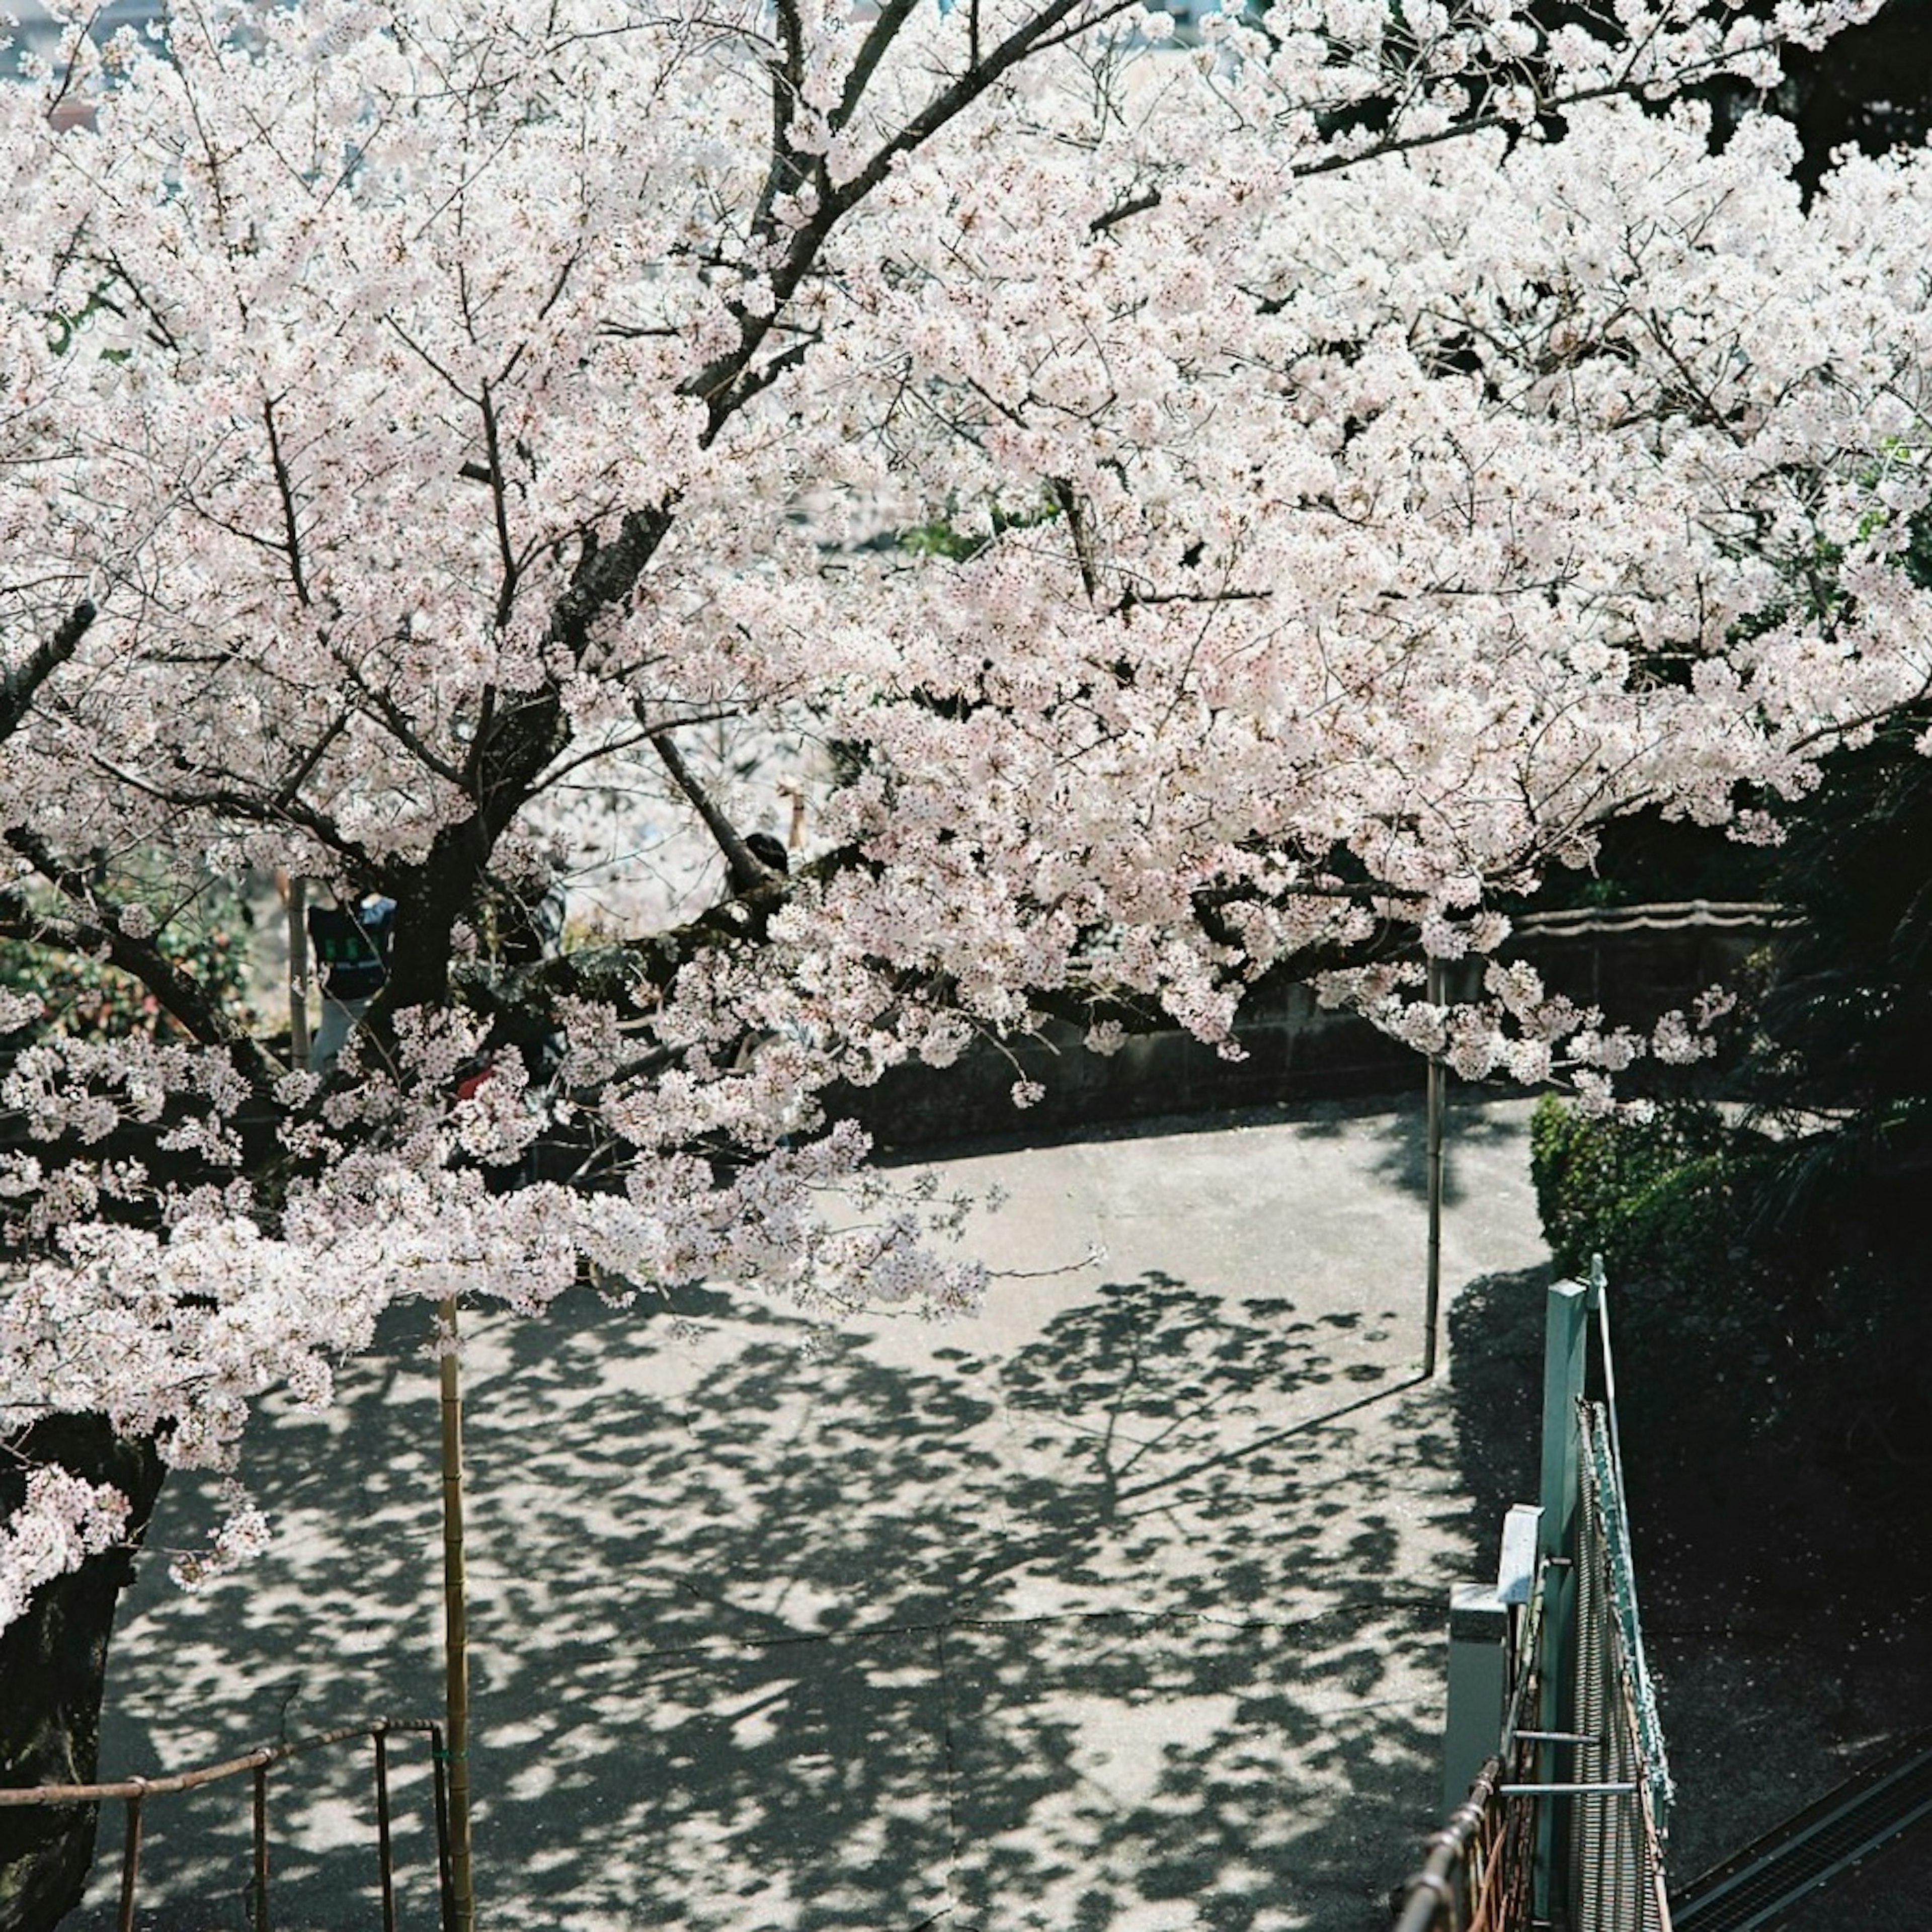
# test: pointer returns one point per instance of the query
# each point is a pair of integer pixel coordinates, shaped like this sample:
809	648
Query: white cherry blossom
1124	519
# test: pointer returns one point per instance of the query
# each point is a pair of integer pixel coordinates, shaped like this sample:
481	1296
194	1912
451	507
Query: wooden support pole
456	1625
1432	1293
298	1033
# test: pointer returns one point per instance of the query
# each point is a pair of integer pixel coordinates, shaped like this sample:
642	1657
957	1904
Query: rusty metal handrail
1429	1897
135	1792
208	1774
1475	1864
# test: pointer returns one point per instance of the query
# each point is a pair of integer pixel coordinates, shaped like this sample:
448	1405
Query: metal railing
1677	916
1564	1823
1446	1892
135	1793
1476	1876
1616	1845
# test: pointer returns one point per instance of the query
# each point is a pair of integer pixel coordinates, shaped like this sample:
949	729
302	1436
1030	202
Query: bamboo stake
1432	1295
456	1627
298	1035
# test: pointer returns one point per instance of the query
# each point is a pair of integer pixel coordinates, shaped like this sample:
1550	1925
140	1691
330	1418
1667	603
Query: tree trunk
53	1664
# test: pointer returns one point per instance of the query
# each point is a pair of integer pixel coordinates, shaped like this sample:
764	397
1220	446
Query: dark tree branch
722	385
1070	507
883	30
17	688
285	489
285	808
513	746
97	926
748	872
1139	204
506	590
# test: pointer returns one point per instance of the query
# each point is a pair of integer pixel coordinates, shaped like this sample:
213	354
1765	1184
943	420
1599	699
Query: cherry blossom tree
455	455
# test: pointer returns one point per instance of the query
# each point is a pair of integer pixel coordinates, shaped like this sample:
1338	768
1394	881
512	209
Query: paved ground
1119	1607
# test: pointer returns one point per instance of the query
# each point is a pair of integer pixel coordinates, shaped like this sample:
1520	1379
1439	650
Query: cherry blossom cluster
61	1523
1120	512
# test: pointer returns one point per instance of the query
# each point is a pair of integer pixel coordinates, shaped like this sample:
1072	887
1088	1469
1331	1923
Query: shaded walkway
1117	1607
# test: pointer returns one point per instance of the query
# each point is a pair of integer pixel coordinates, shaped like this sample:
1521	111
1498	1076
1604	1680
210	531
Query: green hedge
1655	1197
207	940
1727	1329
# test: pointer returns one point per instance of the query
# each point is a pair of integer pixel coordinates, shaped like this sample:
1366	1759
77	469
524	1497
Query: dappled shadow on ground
1137	1626
1385	1134
1396	1137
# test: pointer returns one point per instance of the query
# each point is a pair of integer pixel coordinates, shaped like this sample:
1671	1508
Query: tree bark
53	1664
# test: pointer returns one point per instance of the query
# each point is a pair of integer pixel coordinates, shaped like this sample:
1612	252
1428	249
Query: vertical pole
385	1852
261	1848
1564	1334
456	1625
1566	1329
298	1034
1432	1296
130	1866
439	1764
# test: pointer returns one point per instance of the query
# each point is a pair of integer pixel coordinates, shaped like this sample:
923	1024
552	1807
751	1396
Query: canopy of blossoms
454	452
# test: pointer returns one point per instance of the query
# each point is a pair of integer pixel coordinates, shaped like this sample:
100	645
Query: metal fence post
385	1852
1565	1333
137	1792
262	1920
131	1861
1566	1330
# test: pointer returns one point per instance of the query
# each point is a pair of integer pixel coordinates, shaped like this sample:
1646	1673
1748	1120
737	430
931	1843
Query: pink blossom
474	485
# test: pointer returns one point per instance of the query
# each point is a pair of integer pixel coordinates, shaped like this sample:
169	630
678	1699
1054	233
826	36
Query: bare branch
17	688
101	926
748	872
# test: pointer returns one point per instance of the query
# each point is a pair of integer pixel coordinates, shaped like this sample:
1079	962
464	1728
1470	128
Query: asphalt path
1117	1608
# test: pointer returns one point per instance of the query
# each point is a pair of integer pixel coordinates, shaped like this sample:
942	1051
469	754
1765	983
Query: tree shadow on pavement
1394	1132
1138	1626
1496	1386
